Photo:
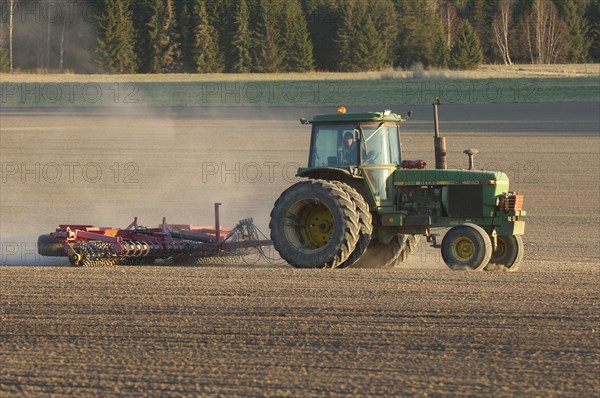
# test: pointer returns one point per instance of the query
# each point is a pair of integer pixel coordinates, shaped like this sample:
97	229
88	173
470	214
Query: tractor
360	204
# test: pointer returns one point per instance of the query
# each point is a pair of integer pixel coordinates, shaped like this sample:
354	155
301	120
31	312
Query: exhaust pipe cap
471	152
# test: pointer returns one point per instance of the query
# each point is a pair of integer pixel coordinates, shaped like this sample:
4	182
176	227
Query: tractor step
432	238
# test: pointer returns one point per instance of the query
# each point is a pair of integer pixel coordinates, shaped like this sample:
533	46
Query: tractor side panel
448	196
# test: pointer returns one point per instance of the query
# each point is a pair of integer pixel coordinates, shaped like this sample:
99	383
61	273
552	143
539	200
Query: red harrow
89	246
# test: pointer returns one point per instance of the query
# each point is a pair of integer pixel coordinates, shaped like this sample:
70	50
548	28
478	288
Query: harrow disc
135	261
94	254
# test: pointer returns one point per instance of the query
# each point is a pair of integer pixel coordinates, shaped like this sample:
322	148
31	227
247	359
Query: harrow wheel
47	245
76	259
466	247
314	224
508	254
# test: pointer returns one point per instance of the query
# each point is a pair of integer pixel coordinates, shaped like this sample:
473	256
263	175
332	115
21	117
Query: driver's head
348	138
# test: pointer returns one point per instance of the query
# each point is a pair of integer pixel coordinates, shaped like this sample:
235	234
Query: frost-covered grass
488	84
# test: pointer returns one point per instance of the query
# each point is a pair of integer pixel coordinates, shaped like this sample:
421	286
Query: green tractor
362	205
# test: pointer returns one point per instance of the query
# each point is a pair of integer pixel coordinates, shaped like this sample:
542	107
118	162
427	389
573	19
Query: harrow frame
87	245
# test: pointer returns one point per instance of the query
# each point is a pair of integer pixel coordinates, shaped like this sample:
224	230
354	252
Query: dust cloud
104	166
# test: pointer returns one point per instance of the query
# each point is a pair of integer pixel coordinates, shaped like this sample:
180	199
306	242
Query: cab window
380	144
328	145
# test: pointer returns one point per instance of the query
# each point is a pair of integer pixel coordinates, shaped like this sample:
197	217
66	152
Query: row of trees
151	36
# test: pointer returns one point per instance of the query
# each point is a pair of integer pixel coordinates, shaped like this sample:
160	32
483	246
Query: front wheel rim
463	248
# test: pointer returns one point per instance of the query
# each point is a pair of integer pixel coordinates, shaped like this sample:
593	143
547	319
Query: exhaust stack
439	142
471	154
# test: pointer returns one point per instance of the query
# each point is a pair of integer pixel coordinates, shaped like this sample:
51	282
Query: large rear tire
508	254
314	224
466	247
365	221
408	247
48	246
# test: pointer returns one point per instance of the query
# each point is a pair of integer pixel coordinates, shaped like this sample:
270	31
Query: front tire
466	247
314	224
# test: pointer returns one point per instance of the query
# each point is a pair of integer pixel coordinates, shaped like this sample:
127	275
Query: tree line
239	36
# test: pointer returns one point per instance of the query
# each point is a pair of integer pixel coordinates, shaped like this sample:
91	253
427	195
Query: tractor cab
366	144
353	140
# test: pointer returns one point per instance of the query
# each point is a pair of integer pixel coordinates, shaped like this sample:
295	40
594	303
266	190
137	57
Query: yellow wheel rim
318	226
463	248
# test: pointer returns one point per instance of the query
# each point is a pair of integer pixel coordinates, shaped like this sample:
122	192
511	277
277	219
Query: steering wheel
369	156
372	156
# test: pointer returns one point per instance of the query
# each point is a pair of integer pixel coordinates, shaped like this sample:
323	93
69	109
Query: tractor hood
449	177
465	193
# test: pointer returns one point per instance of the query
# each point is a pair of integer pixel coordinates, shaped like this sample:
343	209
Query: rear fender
350	176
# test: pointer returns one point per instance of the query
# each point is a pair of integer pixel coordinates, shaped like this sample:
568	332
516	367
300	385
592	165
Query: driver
349	149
